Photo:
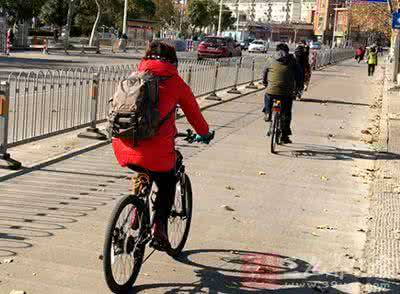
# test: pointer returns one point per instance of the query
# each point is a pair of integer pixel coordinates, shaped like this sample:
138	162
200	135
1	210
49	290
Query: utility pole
124	25
237	18
288	5
221	5
334	27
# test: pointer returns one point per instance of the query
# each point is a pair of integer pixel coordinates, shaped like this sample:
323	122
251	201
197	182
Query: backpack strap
167	117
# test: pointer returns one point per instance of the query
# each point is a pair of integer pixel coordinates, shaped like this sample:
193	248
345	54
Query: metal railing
326	57
35	105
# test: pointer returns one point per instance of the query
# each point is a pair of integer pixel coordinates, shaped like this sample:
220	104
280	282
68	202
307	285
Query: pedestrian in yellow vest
372	61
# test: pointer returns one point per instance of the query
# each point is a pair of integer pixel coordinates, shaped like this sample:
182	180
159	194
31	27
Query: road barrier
43	104
324	57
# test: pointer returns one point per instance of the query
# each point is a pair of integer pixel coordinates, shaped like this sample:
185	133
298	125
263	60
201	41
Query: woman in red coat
157	154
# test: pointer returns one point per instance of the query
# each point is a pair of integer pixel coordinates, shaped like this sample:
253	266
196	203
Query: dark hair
161	51
373	49
283	47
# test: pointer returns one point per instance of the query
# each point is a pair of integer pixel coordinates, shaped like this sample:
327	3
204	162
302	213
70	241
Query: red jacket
158	153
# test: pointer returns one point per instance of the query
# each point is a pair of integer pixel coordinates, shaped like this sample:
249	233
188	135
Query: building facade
267	11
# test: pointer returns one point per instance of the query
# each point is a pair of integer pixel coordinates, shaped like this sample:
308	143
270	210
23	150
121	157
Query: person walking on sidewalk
283	77
302	54
157	154
372	61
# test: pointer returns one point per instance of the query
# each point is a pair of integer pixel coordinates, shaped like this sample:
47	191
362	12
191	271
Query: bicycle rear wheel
180	217
275	130
122	251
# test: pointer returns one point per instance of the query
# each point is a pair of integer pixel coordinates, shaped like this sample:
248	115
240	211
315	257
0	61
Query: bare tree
96	24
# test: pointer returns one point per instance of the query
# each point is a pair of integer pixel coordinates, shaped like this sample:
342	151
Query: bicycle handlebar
189	136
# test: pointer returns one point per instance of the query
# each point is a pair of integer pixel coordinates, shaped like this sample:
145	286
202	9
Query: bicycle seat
138	169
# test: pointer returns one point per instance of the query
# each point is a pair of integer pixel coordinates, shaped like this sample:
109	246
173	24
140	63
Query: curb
73	153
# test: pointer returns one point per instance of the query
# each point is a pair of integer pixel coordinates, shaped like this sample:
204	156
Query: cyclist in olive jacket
283	77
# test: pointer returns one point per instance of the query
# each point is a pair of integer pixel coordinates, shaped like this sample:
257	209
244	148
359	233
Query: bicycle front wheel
122	252
180	217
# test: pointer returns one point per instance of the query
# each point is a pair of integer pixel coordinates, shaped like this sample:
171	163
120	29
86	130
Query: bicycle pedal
155	244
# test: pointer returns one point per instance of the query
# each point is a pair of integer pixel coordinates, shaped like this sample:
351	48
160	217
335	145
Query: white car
258	46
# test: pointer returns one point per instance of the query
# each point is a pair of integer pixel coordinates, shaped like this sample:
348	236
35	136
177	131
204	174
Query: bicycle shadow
321	152
255	272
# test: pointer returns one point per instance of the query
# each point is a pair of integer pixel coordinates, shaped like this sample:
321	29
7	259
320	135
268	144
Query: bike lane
291	221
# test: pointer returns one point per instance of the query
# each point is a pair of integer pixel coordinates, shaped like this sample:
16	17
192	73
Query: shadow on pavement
331	101
40	211
255	272
320	152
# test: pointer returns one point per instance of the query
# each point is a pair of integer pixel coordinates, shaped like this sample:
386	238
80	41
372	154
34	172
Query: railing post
213	95
93	132
253	69
189	82
235	90
4	119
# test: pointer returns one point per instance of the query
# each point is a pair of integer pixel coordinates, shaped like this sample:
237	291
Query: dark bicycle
275	128
125	244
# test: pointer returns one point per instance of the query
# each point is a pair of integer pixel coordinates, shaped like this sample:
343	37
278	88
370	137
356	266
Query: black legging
166	184
371	69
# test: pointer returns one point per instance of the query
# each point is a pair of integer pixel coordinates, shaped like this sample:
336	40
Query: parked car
258	46
218	47
315	45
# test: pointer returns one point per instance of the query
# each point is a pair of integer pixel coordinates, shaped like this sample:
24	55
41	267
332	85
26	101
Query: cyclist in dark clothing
283	77
302	54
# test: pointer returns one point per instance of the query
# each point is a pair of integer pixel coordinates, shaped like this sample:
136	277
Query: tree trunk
96	24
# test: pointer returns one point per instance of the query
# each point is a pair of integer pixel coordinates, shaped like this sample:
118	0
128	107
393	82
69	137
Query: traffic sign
396	20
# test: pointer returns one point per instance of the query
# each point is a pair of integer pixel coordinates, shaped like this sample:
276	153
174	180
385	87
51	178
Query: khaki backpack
134	108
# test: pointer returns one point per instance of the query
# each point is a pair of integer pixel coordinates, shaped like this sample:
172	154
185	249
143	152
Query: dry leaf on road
228	208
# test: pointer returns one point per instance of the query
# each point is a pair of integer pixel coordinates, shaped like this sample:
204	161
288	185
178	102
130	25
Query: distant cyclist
283	78
157	154
302	53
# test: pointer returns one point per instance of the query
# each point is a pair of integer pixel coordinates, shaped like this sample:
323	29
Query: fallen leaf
261	173
228	208
237	196
34	274
101	257
366	132
326	227
230	188
361	230
17	292
323	178
8	260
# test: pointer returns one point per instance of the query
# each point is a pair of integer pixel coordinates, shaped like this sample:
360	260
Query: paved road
52	220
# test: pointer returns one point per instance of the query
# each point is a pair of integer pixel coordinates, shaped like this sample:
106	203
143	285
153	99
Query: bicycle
275	128
125	243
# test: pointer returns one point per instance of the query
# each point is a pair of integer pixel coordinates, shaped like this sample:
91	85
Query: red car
218	47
